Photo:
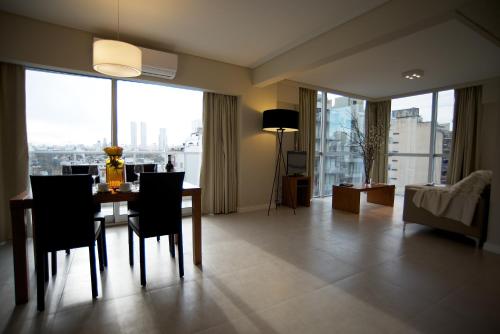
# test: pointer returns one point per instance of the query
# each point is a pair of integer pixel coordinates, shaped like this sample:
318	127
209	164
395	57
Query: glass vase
115	171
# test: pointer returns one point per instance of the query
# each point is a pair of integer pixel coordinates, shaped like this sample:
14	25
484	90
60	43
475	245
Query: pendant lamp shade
117	59
280	119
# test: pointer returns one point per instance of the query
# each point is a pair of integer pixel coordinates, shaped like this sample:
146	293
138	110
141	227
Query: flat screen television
296	162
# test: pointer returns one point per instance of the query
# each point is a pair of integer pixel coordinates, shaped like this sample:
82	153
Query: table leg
346	199
383	196
21	277
196	217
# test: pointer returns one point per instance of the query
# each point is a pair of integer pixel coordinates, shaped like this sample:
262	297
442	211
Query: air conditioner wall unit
159	64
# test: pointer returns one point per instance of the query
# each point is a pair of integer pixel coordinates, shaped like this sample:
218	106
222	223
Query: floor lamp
279	121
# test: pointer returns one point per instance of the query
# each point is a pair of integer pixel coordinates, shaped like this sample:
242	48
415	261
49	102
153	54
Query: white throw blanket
457	202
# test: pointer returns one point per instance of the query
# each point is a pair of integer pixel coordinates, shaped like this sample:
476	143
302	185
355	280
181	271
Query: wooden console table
298	188
347	198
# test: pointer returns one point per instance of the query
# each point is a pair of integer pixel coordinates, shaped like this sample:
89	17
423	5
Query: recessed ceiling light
413	74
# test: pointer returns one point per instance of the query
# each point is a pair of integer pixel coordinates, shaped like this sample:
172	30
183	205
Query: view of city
410	134
168	123
155	122
410	159
338	159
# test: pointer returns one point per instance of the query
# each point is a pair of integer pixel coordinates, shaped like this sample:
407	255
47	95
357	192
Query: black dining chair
63	216
130	174
160	213
85	169
132	208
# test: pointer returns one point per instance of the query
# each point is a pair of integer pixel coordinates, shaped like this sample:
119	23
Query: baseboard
252	208
494	248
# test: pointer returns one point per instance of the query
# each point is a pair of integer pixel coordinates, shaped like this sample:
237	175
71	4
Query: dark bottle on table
170	166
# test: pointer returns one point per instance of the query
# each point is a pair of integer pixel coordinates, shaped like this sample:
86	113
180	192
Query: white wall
490	157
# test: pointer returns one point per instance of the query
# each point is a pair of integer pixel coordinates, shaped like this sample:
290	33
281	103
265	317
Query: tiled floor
320	271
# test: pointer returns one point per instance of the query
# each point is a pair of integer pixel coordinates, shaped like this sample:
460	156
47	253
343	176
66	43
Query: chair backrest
130	174
63	210
80	169
160	202
66	169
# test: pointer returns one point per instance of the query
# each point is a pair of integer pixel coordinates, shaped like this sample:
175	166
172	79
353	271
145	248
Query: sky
159	107
64	109
71	109
446	100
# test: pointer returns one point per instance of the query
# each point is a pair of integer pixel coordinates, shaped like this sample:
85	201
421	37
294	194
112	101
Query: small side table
298	188
347	198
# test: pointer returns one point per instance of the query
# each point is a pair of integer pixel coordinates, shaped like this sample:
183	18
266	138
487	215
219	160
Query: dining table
20	203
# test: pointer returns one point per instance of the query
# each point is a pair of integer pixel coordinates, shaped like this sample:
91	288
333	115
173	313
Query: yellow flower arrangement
114	166
113	151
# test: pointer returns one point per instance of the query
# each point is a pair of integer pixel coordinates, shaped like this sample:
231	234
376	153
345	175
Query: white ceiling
241	32
449	53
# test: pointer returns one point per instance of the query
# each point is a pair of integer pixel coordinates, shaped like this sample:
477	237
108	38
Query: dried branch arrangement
369	143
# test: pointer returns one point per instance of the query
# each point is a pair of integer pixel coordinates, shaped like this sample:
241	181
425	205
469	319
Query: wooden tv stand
300	191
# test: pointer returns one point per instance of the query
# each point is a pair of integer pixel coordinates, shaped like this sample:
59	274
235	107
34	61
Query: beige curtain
307	126
464	150
219	180
379	114
13	142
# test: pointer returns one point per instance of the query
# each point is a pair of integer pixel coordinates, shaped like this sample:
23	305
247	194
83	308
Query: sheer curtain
219	180
13	141
307	126
379	114
467	117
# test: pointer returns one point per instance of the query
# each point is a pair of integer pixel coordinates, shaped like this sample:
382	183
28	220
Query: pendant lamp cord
118	23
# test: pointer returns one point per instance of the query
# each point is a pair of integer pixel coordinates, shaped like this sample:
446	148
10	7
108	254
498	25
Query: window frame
118	218
432	149
323	154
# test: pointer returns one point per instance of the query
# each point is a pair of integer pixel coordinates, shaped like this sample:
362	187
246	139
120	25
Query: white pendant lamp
116	58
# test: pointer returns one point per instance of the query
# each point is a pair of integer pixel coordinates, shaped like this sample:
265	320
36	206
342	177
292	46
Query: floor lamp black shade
279	121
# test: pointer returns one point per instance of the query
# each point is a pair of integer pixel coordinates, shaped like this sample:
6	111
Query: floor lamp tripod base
277	174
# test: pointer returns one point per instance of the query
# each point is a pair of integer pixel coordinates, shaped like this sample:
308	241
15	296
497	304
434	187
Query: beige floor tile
318	271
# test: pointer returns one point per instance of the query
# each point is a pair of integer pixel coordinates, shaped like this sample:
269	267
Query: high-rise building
342	161
133	134
409	134
162	140
144	136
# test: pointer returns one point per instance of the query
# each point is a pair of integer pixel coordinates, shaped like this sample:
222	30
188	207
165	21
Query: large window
420	139
157	121
338	159
70	120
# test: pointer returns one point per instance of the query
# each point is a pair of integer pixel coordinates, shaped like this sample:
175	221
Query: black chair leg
181	253
40	283
130	246
104	247
142	256
67	251
171	244
93	272
53	262
46	266
99	252
158	238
